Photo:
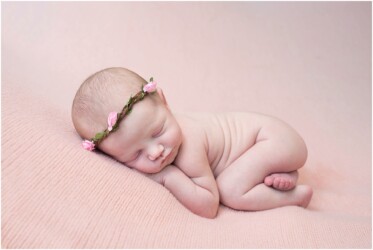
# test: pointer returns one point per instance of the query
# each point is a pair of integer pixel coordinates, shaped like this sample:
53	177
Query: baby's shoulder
193	131
192	127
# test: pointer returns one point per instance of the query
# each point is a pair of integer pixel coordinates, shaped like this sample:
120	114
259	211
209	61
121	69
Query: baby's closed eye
135	156
158	132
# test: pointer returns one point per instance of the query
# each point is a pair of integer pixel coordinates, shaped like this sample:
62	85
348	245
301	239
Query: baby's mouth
167	156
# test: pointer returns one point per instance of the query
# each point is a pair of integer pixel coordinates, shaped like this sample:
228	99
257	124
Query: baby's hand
158	177
201	197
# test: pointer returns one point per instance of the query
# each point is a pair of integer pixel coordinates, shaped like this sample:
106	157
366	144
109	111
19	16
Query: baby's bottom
265	176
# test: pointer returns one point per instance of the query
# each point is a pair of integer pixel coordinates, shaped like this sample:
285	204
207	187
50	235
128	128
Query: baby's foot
304	194
282	181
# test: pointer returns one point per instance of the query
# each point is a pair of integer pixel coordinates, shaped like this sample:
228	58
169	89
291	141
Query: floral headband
115	118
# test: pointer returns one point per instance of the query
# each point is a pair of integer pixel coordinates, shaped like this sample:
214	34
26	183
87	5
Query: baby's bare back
227	135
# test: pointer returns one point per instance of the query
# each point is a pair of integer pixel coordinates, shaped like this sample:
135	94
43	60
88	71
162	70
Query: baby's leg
278	149
263	197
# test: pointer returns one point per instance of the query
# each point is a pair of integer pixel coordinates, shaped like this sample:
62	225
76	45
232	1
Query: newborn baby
246	161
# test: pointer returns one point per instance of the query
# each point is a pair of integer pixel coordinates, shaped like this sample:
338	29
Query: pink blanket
306	63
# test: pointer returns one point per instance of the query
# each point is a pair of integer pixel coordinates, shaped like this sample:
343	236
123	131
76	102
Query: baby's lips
166	157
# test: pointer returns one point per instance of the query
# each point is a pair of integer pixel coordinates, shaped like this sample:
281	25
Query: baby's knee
236	200
230	194
230	199
226	189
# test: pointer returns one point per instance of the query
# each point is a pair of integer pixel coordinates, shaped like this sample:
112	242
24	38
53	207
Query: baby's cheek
175	136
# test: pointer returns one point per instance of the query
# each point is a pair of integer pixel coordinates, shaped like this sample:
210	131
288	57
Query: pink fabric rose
150	87
112	119
88	145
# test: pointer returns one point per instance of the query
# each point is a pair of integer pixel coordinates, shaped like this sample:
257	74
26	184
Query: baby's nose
155	152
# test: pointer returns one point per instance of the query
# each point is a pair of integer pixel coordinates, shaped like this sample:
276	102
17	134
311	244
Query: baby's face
148	139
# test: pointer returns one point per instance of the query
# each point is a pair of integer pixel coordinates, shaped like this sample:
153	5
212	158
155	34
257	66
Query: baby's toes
289	185
283	184
279	183
276	183
268	180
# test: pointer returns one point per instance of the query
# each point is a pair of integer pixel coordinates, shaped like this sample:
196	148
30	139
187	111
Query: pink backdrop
306	63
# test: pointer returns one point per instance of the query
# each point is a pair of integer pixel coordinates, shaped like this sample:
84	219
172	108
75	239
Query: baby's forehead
144	113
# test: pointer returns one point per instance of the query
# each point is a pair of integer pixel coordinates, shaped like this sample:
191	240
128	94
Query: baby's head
147	139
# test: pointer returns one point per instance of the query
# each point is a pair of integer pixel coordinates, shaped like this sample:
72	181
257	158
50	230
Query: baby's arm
192	182
198	194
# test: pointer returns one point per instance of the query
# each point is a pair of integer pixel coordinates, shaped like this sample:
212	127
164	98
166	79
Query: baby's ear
161	95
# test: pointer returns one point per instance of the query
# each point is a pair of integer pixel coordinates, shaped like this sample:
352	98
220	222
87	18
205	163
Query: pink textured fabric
306	63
